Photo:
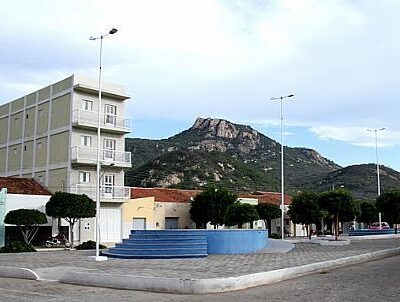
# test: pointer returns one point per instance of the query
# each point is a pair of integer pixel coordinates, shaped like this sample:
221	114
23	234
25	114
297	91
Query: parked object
375	226
57	241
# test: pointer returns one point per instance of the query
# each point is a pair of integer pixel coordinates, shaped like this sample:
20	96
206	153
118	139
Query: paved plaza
56	265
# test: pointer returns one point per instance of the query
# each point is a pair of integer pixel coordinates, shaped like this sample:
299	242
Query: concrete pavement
216	273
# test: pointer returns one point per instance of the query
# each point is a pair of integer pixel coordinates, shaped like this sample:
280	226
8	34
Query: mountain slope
217	151
359	179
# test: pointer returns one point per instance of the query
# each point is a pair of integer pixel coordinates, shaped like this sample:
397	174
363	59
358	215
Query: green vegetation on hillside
217	152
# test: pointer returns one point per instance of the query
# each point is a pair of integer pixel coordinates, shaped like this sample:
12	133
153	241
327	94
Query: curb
215	285
17	272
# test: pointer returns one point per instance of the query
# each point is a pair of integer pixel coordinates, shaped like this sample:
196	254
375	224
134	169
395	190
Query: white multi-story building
51	135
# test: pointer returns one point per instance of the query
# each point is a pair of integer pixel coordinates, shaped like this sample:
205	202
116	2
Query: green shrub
17	247
89	245
275	236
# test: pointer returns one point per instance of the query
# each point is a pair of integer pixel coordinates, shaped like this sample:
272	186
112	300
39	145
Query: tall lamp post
377	168
98	257
282	174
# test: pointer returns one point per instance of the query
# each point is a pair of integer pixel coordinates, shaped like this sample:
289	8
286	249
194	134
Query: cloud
181	58
357	136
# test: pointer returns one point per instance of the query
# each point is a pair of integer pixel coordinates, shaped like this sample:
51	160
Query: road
372	281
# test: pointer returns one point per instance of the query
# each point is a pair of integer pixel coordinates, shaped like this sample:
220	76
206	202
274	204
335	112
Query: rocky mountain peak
214	129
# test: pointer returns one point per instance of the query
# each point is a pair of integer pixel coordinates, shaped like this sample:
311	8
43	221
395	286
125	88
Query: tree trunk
336	226
71	226
58	225
268	224
308	231
24	232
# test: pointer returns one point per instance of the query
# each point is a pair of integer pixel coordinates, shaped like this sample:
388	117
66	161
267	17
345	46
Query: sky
183	59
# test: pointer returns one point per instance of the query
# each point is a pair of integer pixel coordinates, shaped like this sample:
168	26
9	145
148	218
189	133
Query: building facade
51	135
21	193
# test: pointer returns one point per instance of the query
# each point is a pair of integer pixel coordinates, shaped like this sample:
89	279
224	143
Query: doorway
171	223
139	223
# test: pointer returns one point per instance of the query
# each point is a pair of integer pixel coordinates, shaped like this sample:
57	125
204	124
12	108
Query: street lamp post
377	169
282	173
98	257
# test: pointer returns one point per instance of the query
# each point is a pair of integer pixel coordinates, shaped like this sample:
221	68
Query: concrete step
124	256
175	251
160	245
163	240
170	232
166	236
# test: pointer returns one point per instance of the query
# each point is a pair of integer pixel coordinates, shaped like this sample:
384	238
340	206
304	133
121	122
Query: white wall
21	201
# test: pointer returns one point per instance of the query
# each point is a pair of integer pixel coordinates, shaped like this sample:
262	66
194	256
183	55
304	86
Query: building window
87	105
27	116
111	114
14	150
24	148
109	149
39	145
84	177
86	140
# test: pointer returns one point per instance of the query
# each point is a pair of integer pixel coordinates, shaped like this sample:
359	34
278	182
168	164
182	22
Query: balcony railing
86	155
108	193
108	121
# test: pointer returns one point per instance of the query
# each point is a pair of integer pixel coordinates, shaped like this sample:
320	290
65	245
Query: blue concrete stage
188	243
367	232
236	241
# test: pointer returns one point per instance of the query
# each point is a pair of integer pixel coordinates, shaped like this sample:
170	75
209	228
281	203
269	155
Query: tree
336	203
201	211
28	221
239	213
212	204
71	207
389	205
368	212
267	212
305	209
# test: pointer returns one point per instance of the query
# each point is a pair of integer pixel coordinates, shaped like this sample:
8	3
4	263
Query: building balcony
88	156
107	193
108	122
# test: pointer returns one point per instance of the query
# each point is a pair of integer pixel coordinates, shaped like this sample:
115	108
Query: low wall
234	241
365	232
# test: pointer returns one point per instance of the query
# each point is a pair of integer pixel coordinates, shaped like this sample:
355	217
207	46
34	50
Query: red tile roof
268	197
24	186
164	195
177	195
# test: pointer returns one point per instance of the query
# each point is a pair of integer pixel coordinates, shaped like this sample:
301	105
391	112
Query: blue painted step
365	232
175	251
166	236
179	232
122	256
160	240
161	244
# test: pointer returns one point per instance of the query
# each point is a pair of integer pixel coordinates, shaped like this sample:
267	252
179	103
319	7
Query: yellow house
161	208
157	209
137	213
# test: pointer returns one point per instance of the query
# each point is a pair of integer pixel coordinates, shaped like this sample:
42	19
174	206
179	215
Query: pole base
98	258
